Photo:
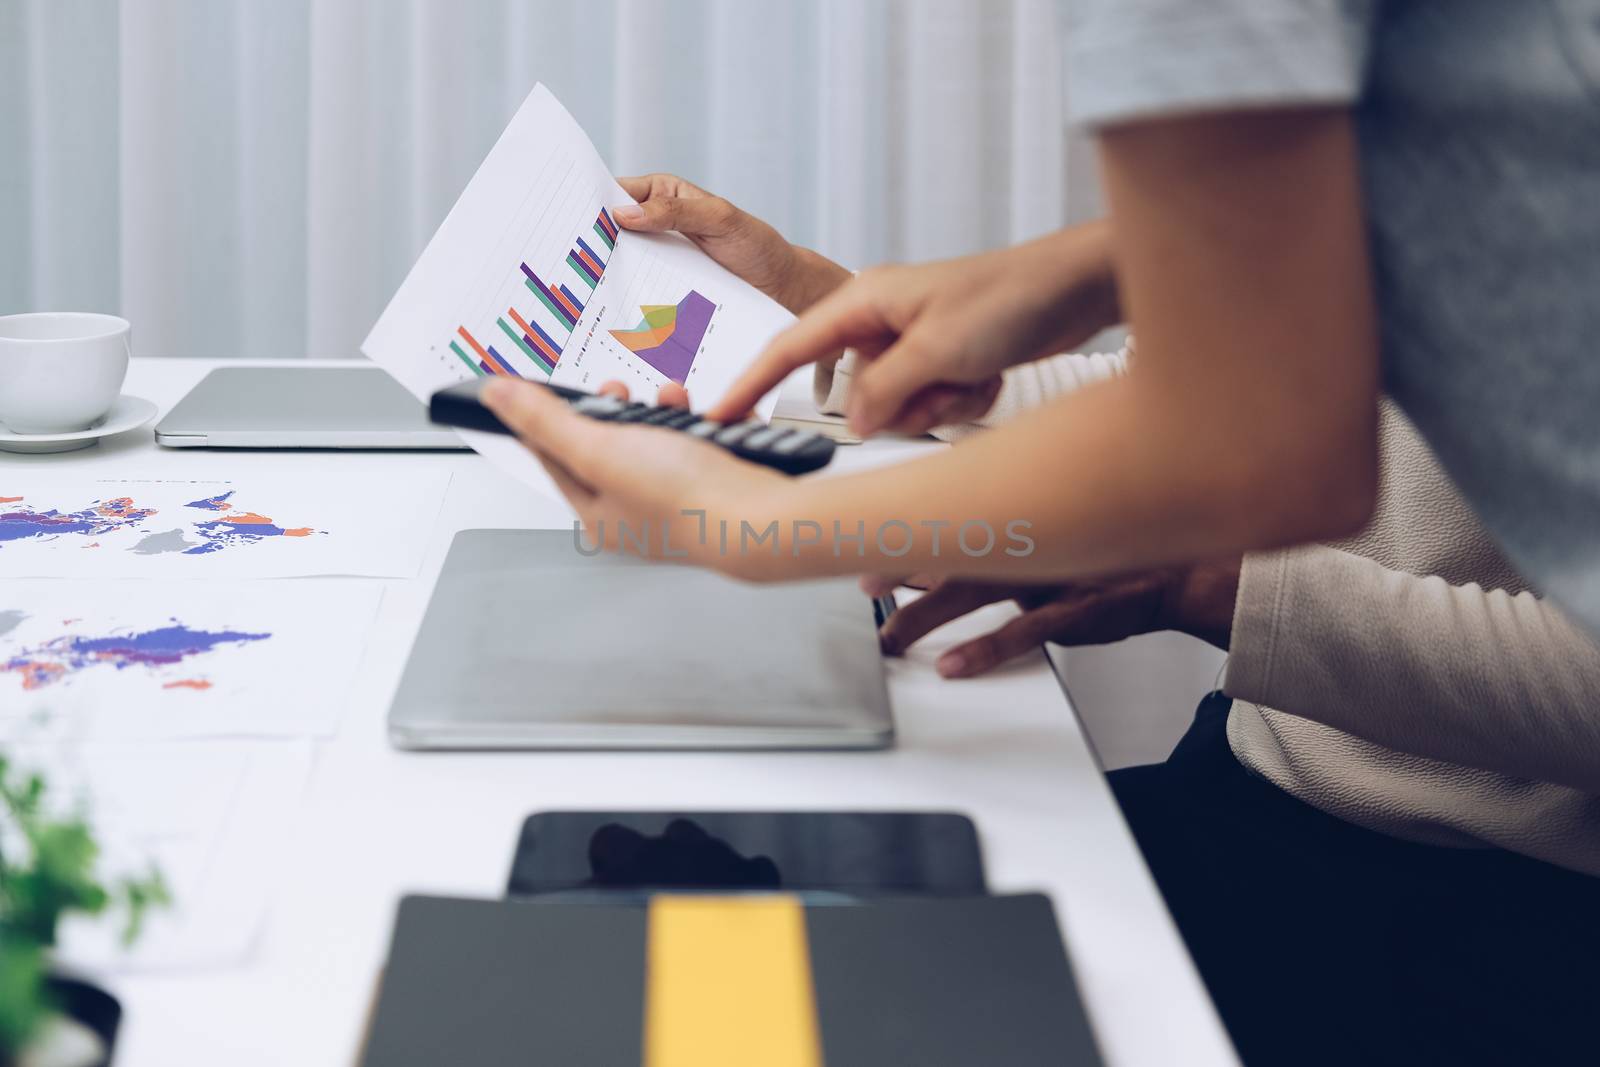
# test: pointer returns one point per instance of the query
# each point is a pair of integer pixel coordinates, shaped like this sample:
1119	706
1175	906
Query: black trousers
1322	942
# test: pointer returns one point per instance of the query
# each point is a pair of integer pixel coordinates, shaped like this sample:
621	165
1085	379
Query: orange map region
9	499
250	518
39	675
188	683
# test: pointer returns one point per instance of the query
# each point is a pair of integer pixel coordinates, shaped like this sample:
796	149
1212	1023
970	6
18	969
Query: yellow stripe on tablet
729	984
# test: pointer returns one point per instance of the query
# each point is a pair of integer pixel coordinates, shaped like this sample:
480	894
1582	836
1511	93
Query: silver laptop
527	643
301	407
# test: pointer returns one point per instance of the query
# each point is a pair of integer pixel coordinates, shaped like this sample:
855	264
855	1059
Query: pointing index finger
847	315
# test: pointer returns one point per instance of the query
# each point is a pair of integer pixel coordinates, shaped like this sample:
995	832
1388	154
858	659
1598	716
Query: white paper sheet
214	817
522	279
145	660
375	526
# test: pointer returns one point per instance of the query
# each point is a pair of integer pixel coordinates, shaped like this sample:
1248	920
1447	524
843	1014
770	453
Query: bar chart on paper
530	276
590	306
535	336
550	308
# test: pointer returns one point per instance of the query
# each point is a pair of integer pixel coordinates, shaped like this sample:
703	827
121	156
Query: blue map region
226	526
240	527
169	644
61	657
212	503
102	517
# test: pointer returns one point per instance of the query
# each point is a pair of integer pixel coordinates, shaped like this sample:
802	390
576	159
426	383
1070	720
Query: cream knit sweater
1431	695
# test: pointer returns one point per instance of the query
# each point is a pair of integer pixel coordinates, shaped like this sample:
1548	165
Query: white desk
376	823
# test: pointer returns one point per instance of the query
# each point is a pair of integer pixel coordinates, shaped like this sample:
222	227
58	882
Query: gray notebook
955	982
529	643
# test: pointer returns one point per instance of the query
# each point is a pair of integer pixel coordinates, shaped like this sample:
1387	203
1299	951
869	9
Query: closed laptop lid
301	407
528	642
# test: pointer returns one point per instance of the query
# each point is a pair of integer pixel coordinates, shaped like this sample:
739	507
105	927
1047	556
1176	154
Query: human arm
1244	267
1416	634
932	341
798	278
1022	387
1196	599
1249	418
1481	677
795	277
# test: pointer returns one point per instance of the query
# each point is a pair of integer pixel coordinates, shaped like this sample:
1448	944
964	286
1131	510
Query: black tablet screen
849	852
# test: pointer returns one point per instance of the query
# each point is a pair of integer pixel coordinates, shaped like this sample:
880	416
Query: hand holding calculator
783	449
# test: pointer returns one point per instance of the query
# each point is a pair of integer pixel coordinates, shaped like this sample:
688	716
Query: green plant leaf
22	995
54	874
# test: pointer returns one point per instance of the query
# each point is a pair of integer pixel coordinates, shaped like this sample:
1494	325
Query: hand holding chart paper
530	277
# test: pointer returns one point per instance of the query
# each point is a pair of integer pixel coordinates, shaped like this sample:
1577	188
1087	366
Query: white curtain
254	177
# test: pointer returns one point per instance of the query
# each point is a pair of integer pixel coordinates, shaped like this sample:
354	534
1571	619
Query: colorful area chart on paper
669	335
60	658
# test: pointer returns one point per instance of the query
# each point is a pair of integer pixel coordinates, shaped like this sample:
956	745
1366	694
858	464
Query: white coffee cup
60	371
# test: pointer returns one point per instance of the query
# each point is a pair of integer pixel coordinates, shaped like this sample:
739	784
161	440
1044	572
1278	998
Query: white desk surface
376	823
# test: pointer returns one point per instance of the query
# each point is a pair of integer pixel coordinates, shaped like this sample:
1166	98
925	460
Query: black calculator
790	451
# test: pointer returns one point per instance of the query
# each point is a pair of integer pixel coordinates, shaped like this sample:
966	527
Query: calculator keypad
791	451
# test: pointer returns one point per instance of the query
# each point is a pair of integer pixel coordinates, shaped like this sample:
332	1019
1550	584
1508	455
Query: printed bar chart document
529	276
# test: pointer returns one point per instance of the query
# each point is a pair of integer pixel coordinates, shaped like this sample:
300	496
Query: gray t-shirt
1479	128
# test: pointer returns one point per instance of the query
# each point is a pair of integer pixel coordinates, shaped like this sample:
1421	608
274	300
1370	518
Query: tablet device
851	852
301	407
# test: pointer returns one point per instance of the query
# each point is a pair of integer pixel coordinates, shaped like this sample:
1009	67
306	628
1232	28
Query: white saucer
128	413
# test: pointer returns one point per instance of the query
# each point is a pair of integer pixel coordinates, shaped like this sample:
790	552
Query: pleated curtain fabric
254	177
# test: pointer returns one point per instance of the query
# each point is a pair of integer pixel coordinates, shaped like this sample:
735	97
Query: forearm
1248	420
1083	296
1481	678
813	276
1066	287
1124	474
1026	385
